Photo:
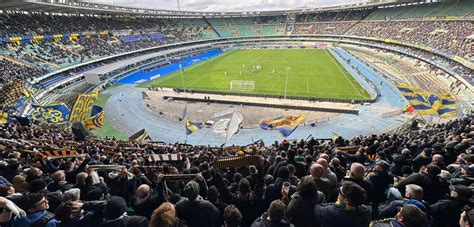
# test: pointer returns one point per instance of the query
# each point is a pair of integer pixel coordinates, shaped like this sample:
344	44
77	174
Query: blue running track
141	77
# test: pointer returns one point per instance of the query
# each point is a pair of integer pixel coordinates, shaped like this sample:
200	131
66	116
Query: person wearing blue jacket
37	213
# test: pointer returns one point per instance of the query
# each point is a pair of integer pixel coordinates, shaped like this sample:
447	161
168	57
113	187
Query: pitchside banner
82	107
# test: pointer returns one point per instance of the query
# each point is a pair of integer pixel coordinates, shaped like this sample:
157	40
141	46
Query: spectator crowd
421	177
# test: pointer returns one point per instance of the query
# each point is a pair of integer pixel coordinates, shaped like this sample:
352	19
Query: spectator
165	216
349	210
194	210
275	216
232	216
446	212
300	207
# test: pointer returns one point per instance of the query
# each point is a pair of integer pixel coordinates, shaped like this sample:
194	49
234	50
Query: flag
448	106
11	93
96	121
229	127
4	117
140	136
405	89
96	110
334	136
426	103
190	126
82	107
285	125
54	114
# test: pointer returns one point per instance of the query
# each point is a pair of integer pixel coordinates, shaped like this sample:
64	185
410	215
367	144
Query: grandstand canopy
77	7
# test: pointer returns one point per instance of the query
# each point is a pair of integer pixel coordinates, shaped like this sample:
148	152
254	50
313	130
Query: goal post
242	85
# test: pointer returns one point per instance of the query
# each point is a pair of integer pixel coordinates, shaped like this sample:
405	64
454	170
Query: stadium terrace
349	115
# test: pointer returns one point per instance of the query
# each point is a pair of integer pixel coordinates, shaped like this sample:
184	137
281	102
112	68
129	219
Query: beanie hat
37	185
462	190
417	204
114	208
191	190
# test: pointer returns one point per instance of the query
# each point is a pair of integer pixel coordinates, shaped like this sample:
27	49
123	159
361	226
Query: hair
416	190
354	193
244	186
433	169
212	193
291	168
73	194
232	216
283	172
291	154
81	178
307	187
413	216
163	216
237	177
277	211
4	189
33	198
63	212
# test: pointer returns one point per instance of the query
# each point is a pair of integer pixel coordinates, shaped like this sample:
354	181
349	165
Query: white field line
340	70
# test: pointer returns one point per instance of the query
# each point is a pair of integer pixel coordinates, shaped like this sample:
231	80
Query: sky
226	5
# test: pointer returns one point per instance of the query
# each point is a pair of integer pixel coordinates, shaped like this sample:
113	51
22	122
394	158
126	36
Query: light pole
182	78
286	83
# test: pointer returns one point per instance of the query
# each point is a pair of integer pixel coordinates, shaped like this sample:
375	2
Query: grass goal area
311	73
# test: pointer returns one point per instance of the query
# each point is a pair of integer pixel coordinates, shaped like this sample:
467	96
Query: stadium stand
423	171
54	175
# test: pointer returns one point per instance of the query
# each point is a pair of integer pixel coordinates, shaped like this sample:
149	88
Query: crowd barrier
228	102
353	101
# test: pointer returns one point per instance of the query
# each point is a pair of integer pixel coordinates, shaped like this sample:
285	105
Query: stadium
294	114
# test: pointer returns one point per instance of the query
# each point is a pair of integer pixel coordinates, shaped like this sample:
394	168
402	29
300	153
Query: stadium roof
75	7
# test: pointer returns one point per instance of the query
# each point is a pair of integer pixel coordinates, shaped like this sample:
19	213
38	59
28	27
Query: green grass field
108	130
313	73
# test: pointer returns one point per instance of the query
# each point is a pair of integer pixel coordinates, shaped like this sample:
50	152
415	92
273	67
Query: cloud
226	5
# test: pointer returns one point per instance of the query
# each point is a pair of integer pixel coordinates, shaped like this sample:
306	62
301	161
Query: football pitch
311	73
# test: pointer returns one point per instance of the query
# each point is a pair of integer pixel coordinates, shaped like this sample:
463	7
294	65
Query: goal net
242	85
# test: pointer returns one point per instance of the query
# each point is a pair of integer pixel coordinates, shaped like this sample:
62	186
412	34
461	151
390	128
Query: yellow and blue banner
426	103
55	114
4	117
284	125
97	119
190	126
82	107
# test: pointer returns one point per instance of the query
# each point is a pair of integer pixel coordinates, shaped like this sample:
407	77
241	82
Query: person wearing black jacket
299	166
412	192
273	191
250	203
356	175
145	201
78	214
380	180
196	211
446	212
428	179
399	161
300	207
115	215
349	210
